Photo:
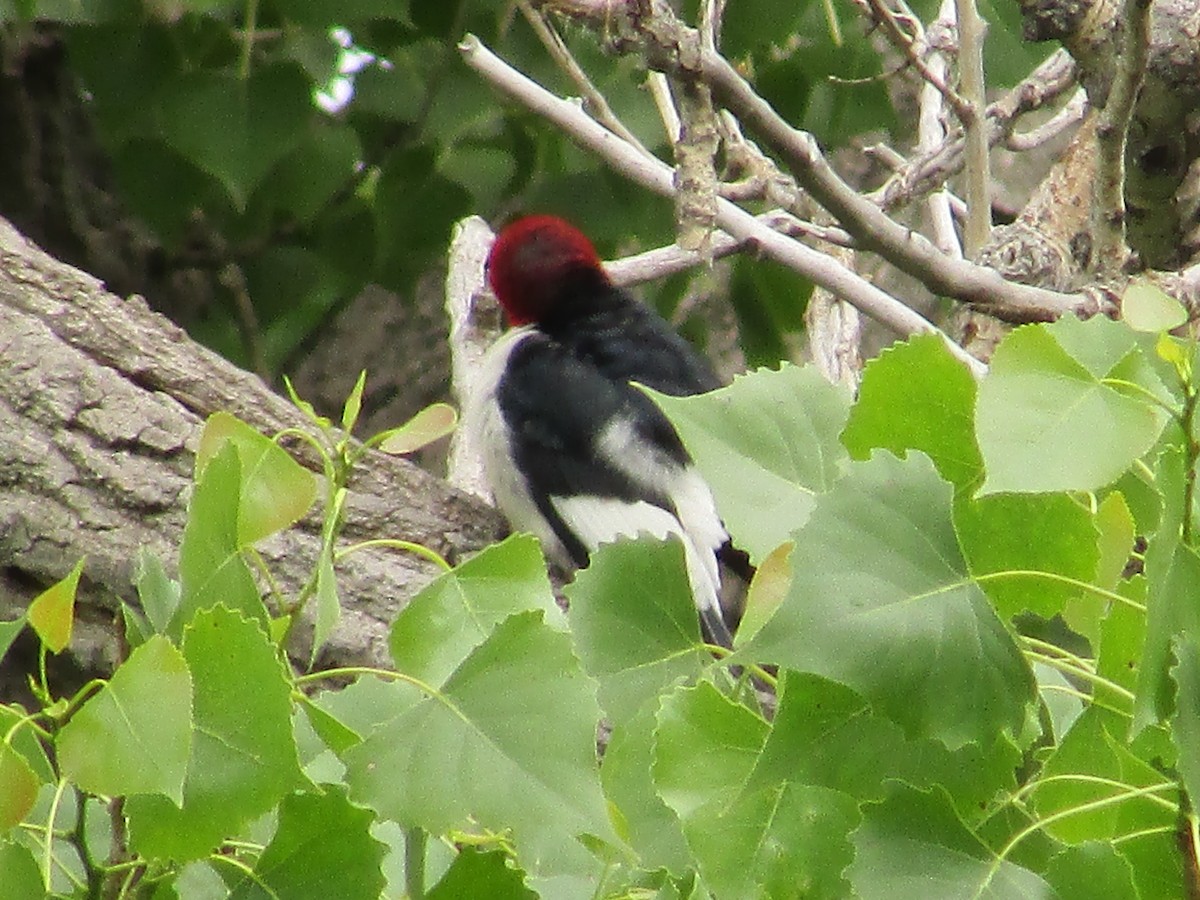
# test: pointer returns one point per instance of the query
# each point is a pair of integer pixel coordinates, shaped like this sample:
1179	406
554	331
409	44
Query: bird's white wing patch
653	469
602	520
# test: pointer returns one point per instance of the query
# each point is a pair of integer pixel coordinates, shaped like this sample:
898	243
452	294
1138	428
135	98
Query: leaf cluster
952	678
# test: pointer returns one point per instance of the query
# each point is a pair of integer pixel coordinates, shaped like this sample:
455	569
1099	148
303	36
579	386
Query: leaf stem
248	39
1039	824
414	862
396	544
1061	579
1083	674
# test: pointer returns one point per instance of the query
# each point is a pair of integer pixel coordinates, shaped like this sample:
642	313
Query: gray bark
101	405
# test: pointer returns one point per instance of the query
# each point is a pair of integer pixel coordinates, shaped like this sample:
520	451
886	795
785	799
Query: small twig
738	223
910	46
931	132
929	171
1112	131
660	91
593	100
1067	117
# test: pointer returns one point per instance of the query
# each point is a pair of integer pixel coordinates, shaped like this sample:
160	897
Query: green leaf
645	822
18	789
477	874
8	633
913	845
1038	399
518	719
1085	612
52	612
768	588
634	623
1027	533
243	757
767	444
1173	591
881	601
752	842
22	878
275	489
211	568
353	405
1089	749
134	736
309	177
322	848
235	129
430	424
1144	307
158	593
916	396
849	749
25	741
1094	870
304	406
447	620
704	749
1185	725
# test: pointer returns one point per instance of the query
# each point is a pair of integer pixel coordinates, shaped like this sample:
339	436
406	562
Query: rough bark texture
101	405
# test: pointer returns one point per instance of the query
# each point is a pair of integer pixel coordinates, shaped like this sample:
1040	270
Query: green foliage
924	729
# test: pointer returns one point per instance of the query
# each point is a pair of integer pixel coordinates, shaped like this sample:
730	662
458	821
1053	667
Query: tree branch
739	224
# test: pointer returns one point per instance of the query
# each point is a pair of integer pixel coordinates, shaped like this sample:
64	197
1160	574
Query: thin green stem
1047	647
396	544
1146	394
1083	674
1193	451
48	856
1079	778
236	863
414	862
349	671
93	872
1087	698
1101	803
1062	579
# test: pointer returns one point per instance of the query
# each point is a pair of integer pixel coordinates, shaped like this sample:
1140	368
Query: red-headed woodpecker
573	452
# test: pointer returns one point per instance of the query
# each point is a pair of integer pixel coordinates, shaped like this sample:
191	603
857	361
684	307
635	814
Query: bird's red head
534	261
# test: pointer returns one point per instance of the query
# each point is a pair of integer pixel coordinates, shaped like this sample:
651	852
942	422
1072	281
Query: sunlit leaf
275	489
134	736
634	622
211	567
767	444
52	612
1145	307
322	848
518	718
456	612
916	396
1046	388
881	601
243	758
18	788
430	424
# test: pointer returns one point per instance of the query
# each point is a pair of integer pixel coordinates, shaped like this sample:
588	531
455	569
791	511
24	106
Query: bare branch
658	177
970	73
1112	132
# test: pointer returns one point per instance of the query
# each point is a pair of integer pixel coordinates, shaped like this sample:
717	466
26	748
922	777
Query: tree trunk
101	405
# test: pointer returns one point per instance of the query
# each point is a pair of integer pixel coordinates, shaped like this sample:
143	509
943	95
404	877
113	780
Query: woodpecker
574	453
